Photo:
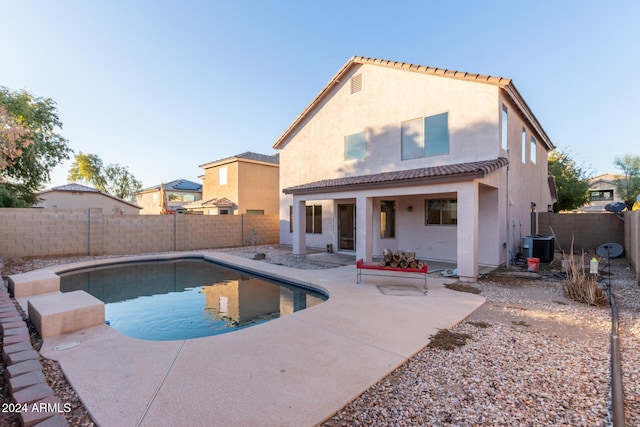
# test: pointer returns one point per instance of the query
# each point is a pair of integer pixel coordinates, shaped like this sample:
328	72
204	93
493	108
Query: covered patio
364	208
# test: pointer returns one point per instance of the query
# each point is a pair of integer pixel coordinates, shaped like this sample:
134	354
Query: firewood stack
400	259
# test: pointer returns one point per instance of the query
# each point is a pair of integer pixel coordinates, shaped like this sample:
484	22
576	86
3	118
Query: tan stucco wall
211	188
258	187
60	232
150	203
84	200
315	151
249	185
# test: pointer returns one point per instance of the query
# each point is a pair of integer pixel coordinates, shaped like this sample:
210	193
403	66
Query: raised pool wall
80	232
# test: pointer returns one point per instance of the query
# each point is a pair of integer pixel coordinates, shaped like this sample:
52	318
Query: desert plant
580	285
253	239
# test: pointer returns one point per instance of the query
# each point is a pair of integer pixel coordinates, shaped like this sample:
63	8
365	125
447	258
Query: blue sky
165	86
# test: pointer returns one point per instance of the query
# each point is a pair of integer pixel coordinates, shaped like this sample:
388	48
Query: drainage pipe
617	396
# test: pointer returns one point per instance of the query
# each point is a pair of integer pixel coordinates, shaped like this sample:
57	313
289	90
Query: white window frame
223	176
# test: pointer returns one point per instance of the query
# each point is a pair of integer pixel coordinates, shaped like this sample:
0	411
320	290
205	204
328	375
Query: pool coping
295	371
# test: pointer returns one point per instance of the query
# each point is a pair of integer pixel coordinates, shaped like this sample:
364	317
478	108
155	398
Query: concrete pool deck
294	371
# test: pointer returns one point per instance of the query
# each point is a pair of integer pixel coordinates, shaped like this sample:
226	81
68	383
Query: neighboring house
77	196
450	165
174	195
243	184
602	191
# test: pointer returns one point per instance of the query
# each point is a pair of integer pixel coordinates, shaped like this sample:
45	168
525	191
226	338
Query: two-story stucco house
246	183
602	191
172	197
450	165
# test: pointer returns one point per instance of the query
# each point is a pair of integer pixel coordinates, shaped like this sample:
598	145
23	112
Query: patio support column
364	228
299	226
467	238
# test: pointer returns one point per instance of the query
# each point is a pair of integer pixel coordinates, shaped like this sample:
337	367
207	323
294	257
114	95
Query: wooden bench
372	266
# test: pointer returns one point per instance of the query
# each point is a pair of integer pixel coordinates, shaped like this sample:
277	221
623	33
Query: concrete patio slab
293	371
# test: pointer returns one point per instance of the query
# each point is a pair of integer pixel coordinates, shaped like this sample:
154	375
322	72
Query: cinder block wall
63	232
632	240
588	230
44	232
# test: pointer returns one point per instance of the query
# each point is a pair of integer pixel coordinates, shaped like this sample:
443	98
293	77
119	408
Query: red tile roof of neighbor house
433	174
505	84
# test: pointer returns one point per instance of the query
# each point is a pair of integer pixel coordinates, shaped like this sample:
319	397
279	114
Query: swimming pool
186	298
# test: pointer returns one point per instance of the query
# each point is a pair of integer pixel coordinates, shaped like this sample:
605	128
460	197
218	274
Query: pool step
33	283
59	313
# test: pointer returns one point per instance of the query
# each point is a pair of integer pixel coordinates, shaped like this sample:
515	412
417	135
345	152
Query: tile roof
73	187
178	185
442	173
247	155
183	184
79	188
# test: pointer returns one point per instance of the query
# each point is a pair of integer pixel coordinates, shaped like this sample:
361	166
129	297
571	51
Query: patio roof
428	175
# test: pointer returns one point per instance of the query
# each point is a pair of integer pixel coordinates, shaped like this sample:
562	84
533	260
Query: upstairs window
424	137
355	146
601	195
504	127
524	145
222	176
533	151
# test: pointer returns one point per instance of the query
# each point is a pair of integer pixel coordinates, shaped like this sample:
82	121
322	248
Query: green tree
121	183
628	188
90	169
113	179
30	143
572	182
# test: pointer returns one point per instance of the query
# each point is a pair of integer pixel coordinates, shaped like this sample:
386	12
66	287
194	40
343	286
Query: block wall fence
632	241
28	233
590	230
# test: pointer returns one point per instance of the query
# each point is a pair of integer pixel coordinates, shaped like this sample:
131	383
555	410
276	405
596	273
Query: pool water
183	299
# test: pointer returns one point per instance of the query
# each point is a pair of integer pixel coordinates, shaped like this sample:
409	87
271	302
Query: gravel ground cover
528	356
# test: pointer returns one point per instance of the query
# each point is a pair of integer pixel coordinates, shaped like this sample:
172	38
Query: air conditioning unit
541	247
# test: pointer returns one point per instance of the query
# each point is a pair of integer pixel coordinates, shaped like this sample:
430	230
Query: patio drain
401	290
66	345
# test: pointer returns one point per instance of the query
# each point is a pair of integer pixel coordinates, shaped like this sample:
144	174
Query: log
404	264
410	256
382	263
393	264
420	265
413	264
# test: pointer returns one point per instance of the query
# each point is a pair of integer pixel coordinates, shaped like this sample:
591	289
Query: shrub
580	285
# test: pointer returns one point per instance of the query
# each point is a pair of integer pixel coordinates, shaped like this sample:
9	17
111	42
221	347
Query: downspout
507	215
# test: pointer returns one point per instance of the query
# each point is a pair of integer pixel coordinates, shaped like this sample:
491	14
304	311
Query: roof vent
356	83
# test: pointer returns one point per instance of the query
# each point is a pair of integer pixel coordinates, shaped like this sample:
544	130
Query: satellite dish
610	250
615	207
